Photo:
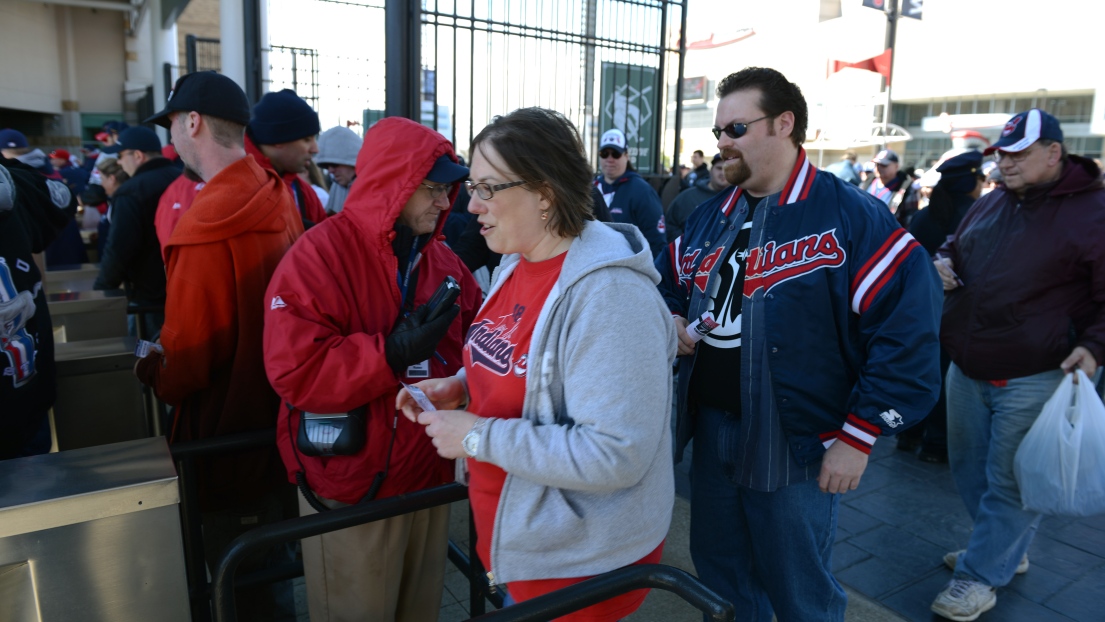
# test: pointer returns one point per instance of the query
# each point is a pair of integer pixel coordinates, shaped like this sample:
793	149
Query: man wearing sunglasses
826	318
347	320
1024	284
630	199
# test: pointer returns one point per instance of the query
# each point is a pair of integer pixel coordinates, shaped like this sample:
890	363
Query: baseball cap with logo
59	154
885	156
12	139
613	139
1026	128
136	138
205	92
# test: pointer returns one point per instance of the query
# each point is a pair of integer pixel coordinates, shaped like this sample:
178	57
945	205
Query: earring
544	214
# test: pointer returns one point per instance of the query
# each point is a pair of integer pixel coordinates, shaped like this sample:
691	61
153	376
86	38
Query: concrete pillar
68	127
232	40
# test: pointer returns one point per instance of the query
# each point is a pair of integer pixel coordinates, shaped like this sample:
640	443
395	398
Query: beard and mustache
736	171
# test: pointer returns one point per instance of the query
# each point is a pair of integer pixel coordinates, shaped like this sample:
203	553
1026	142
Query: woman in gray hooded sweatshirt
562	409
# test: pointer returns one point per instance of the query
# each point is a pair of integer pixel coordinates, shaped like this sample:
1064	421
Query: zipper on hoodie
491	583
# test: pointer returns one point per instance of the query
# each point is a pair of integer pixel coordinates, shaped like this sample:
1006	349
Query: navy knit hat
281	118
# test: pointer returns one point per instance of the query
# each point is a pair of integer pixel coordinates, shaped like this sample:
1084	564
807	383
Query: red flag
879	64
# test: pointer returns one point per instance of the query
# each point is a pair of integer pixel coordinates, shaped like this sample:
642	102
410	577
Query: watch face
470	443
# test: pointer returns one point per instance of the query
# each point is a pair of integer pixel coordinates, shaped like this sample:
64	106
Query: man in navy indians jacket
827	319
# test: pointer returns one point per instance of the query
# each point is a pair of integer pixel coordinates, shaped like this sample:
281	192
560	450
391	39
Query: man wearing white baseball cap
630	199
1024	304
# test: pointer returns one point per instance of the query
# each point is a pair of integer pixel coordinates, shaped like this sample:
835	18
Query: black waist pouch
340	434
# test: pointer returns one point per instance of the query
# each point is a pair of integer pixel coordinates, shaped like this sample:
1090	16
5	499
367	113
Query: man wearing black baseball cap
1024	281
131	255
219	259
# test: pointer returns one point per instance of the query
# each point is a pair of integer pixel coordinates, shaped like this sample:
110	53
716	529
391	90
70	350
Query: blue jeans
986	425
765	552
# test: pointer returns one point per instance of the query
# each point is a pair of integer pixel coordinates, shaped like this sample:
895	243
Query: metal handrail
616	582
222	584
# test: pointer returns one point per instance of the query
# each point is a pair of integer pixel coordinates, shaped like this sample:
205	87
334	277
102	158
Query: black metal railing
552	605
610	584
184	455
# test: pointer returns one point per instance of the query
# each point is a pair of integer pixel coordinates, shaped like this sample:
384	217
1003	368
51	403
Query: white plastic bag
1060	465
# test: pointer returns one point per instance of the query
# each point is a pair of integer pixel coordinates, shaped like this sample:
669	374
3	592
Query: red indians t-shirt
495	362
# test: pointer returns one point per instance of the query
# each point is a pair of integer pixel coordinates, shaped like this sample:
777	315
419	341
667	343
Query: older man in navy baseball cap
1024	277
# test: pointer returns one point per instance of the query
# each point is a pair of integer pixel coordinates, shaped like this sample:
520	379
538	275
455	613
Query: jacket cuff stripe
863	425
844	438
858	435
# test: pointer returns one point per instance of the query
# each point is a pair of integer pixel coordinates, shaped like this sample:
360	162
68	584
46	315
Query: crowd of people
791	315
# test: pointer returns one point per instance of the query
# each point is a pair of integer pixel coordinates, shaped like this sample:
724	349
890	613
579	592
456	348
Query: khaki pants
388	570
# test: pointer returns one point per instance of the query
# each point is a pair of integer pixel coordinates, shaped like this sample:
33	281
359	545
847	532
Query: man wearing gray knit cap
337	153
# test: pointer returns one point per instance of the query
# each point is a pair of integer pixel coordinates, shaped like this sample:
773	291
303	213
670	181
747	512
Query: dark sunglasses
736	130
609	153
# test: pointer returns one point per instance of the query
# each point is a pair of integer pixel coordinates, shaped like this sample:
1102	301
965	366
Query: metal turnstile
89	314
72	278
99	400
92	535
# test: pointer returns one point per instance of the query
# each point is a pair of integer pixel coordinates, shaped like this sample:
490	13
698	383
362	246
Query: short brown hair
777	95
225	132
544	148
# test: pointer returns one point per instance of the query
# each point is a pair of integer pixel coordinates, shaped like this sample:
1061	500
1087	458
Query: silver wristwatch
471	442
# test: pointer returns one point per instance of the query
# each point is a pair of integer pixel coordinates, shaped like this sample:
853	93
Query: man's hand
1082	359
415	339
841	468
448	428
946	269
686	344
445	394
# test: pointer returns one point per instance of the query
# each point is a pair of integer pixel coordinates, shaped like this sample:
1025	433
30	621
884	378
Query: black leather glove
414	339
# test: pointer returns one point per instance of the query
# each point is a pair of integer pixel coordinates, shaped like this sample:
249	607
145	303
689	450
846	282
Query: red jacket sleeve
313	358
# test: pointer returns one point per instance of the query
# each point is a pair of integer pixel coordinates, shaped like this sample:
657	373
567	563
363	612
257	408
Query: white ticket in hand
419	397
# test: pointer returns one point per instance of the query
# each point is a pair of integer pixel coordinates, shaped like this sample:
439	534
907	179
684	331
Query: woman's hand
448	428
445	394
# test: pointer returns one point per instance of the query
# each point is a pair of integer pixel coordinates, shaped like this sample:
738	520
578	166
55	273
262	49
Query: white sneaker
950	560
964	601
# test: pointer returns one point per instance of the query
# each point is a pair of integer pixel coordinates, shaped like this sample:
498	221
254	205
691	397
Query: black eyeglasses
485	190
736	130
609	153
437	190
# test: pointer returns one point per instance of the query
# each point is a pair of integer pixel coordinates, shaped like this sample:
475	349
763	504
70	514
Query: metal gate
602	63
458	63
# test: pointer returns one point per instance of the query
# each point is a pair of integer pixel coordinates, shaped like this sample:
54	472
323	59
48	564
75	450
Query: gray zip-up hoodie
589	484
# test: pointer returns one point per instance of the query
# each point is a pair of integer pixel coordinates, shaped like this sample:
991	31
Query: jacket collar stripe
673	251
885	266
727	205
802	174
809	183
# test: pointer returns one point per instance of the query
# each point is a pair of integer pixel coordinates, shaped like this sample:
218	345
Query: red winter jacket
176	200
310	207
332	303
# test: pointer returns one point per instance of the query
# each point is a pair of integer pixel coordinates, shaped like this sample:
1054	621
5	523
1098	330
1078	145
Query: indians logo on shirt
489	343
701	274
775	263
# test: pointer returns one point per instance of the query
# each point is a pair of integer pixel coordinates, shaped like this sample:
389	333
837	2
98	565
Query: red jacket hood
225	210
397	155
313	208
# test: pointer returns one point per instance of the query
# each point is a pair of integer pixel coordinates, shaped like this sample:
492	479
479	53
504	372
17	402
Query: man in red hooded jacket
218	260
345	322
281	136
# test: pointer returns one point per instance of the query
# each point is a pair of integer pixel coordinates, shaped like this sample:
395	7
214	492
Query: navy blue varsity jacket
840	315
